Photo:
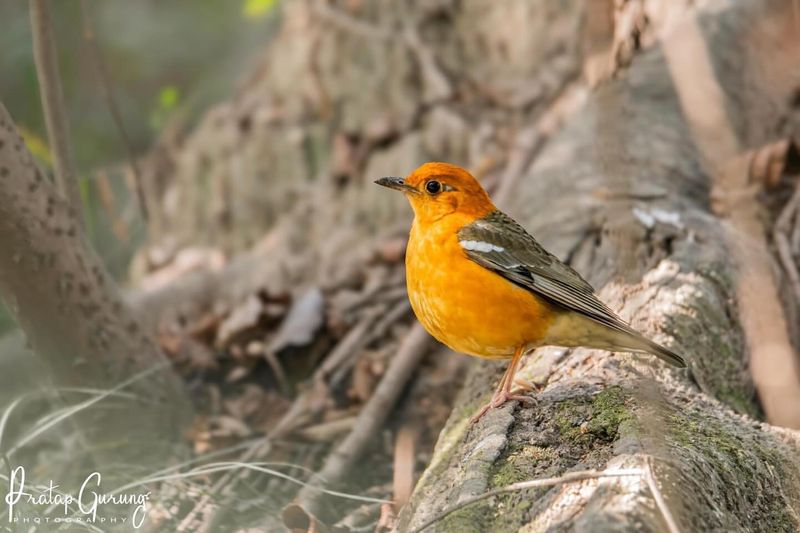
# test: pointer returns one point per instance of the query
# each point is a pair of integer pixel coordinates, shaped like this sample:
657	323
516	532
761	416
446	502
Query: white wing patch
480	246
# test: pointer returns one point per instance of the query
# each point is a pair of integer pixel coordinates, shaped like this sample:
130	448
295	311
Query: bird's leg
504	395
503	392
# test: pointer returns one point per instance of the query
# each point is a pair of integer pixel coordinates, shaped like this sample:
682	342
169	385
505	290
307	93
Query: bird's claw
515	396
500	399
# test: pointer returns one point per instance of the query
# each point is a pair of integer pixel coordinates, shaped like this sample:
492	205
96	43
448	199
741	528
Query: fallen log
625	193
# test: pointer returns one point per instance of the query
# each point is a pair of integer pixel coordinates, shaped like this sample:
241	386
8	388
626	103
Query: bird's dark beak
397	184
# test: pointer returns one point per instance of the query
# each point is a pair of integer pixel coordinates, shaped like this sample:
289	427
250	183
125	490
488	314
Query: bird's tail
644	344
572	329
629	339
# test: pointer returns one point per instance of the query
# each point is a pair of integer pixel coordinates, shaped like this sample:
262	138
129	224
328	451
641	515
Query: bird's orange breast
462	304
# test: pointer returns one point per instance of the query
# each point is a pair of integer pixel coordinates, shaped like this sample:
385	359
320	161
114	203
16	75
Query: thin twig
384	293
784	225
569	477
380	329
111	101
361	518
118	225
373	415
335	366
257	448
225	466
789	265
55	116
672	525
784	220
784	232
277	370
328	431
351	343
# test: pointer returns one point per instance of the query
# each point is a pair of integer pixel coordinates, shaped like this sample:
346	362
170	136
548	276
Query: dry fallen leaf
228	426
185	261
301	323
243	318
197	355
237	373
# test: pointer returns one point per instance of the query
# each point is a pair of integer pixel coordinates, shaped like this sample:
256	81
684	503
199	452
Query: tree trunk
75	319
625	192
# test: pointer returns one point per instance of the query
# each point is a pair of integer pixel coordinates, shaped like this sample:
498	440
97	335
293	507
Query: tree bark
75	319
625	193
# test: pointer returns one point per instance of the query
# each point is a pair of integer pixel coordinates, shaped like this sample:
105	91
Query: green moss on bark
708	319
583	420
724	456
548	440
471	519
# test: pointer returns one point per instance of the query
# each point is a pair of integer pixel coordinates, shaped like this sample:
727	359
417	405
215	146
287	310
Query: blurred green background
166	61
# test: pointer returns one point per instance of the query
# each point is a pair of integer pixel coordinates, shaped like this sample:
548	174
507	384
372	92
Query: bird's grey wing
498	243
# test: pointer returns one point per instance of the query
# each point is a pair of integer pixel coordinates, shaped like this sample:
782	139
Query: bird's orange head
436	190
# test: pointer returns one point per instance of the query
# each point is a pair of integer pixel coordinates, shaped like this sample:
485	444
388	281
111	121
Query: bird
483	286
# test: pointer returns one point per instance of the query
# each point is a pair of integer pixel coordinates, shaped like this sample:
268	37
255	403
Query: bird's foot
500	399
526	386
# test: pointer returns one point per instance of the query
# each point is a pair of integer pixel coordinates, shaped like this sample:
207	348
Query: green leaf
254	9
168	98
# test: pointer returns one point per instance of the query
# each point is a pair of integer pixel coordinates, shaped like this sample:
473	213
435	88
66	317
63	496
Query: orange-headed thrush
482	285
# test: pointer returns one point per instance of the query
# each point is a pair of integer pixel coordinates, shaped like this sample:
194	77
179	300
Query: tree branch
108	91
55	116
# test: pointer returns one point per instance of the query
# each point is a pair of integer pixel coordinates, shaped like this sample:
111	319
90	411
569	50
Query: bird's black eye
433	187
